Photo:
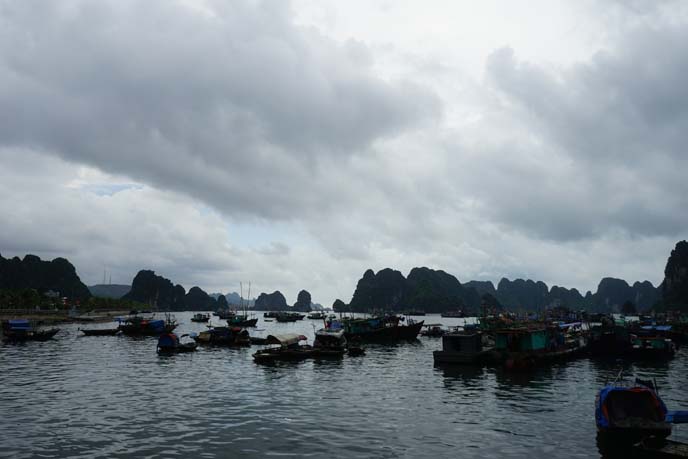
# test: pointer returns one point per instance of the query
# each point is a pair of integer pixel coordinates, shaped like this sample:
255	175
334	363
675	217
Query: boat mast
247	300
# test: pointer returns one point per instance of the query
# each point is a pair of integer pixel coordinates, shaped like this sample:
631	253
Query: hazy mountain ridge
437	291
423	289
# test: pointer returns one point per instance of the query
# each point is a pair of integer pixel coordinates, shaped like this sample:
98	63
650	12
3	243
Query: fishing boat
529	345
651	348
200	317
463	347
169	343
329	343
224	336
287	348
289	316
317	315
270	314
627	413
146	326
99	331
433	331
382	329
242	320
18	330
415	313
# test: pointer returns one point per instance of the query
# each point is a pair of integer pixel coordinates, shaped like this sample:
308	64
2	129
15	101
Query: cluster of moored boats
629	415
337	337
522	344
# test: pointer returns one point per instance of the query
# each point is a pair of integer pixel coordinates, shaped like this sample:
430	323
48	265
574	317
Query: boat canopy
168	340
334	333
19	324
287	339
657	327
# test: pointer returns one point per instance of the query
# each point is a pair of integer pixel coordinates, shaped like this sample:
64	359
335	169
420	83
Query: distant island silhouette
424	289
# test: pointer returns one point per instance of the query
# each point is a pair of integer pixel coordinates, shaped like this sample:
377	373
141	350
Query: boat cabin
329	338
520	339
286	341
462	342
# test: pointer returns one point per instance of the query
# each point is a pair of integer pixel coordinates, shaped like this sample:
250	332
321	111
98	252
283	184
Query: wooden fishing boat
289	317
99	331
18	330
224	336
318	315
625	414
651	348
241	320
146	326
530	345
383	329
329	343
169	343
288	349
200	317
433	331
463	347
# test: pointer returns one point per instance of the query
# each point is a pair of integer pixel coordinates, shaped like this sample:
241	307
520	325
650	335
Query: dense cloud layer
217	142
230	103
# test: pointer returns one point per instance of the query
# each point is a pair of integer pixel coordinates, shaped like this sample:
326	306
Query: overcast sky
295	145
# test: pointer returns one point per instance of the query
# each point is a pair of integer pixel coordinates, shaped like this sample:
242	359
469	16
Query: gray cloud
560	173
606	141
233	105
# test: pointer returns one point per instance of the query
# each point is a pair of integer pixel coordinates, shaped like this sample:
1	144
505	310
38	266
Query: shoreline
61	317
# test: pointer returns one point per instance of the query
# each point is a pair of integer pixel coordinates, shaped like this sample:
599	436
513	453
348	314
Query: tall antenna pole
249	298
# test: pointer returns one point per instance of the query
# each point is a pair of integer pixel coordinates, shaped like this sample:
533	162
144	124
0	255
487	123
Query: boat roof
334	332
657	327
432	325
571	324
285	340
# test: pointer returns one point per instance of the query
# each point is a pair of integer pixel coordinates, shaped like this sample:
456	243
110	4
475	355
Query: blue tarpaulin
677	417
19	324
657	327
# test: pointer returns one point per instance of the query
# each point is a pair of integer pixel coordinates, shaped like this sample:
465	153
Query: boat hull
462	358
387	334
289	355
100	331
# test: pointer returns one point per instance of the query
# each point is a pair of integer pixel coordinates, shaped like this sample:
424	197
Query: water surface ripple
111	397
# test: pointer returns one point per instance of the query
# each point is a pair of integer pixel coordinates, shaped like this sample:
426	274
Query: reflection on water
113	396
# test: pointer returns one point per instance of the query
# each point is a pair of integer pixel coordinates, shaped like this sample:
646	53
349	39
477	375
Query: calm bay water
99	397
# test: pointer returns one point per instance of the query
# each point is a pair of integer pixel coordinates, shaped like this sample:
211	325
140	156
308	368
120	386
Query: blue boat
629	413
142	326
169	343
224	336
17	330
